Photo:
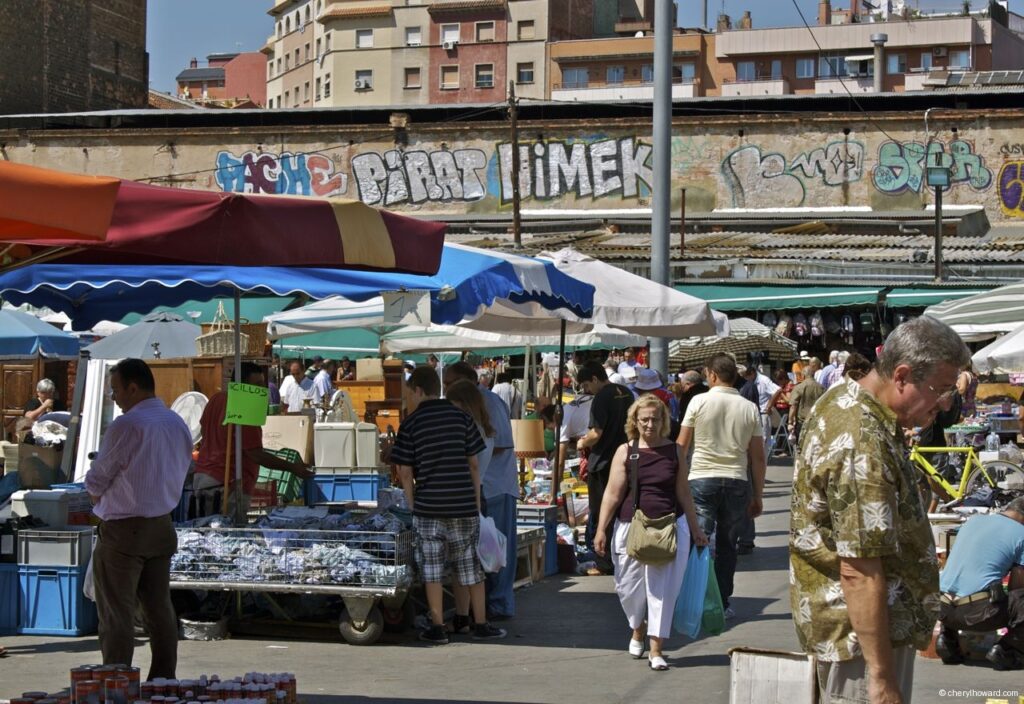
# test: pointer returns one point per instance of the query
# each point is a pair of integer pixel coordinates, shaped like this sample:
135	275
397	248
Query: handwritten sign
406	307
247	404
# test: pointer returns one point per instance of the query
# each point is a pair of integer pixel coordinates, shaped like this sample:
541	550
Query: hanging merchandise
770	320
800	327
848	328
867	322
832	326
817	324
785	325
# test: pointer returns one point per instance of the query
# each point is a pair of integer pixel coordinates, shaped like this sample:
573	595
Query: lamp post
938	178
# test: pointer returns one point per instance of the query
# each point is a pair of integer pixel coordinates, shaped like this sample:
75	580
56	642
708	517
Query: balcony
627	90
761	86
853	84
632	25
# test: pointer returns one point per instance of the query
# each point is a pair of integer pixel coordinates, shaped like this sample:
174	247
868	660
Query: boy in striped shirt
435	453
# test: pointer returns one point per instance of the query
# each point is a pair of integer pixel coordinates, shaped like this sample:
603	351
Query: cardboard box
369	370
38	466
758	675
291	431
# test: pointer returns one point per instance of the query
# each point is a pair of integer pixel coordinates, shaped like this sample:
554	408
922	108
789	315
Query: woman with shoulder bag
648	496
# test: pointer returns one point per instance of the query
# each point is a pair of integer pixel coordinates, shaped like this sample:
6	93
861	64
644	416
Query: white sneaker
729	613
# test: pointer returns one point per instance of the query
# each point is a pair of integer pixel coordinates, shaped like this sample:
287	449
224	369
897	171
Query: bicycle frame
971	461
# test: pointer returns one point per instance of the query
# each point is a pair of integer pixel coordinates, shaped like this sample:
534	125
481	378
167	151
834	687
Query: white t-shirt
575	418
723	424
294	395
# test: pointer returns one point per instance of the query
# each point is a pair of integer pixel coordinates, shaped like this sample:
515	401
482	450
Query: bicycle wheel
1006	475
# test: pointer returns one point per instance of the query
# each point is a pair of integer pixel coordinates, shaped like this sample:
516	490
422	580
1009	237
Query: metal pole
527	374
239	516
513	115
664	29
682	223
938	234
556	474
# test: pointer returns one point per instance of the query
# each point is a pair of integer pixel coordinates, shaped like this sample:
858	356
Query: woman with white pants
648	592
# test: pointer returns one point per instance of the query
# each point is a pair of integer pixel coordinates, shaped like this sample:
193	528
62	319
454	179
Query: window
270	69
305	92
485	31
575	78
449	33
805	68
684	73
525	30
860	67
647	73
279	65
450	77
776	69
287	62
895	63
319	88
296	99
327	41
831	66
327	86
485	75
279	32
288	24
745	71
413	36
319	44
615	74
296	58
308	51
959	58
364	38
524	72
926	61
364	79
412	77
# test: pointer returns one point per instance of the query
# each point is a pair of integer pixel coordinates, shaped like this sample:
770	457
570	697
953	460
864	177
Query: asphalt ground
567	644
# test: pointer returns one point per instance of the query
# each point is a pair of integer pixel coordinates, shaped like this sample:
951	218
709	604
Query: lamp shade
528	438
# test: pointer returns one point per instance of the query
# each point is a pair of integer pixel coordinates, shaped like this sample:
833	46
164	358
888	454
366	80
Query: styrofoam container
334	444
367	445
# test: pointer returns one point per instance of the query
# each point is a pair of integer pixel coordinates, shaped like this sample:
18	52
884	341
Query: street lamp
938	177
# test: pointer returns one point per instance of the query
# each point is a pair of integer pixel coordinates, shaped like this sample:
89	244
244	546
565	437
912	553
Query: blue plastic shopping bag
690	604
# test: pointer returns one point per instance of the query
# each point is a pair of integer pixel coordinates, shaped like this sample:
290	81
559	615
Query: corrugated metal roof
342	12
200	74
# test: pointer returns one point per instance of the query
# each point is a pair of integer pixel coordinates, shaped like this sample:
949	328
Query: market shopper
767	393
499	482
508	393
802	400
607	431
864	576
210	470
135	482
45	401
648	592
295	388
724	430
435	453
988	548
323	383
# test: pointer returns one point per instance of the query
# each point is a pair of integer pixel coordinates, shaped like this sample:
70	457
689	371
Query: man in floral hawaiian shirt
864	580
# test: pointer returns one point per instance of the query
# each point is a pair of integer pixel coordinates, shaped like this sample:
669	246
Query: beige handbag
652	541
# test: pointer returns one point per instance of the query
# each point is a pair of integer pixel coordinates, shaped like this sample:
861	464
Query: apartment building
228	80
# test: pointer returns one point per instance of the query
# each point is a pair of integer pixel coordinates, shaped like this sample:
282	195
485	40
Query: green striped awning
726	297
922	296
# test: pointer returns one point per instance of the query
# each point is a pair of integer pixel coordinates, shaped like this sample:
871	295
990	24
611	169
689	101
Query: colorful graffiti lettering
767	180
418	176
286	173
587	169
1011	189
901	165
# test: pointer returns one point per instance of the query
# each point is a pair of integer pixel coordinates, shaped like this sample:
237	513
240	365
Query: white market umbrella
156	336
1004	356
457	337
983	314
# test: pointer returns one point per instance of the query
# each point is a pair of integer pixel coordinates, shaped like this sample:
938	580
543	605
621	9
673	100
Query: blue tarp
23	335
467	280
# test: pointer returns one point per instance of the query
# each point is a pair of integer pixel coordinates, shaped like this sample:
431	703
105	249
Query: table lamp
528	441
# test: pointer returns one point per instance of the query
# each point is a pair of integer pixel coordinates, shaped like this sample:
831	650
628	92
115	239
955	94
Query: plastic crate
289	486
55	548
346	485
547	516
52	602
9	590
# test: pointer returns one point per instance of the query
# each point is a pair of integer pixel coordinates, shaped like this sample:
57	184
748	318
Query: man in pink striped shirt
135	482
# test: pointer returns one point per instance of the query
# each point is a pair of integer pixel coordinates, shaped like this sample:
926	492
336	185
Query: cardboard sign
247	404
406	307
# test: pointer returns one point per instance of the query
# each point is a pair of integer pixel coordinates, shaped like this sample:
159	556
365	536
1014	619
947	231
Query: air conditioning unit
361	84
939	51
448	46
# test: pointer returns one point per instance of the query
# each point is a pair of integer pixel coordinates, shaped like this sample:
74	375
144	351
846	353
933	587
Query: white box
294	432
757	676
334	444
367	445
988	456
48	505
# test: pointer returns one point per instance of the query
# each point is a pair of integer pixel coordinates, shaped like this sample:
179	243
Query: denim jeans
721	509
597	482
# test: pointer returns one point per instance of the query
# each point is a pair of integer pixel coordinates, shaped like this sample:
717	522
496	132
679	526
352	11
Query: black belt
954	600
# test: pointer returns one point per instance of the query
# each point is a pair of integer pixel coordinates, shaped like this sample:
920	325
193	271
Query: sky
178	30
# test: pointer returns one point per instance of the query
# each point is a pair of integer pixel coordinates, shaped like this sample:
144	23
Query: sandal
636	648
3	652
658	663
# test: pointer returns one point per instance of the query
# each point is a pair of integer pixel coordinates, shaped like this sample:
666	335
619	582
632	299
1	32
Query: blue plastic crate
345	486
9	589
546	516
52	602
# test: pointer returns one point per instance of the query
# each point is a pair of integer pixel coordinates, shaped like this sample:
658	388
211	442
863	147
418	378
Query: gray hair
843	356
1017	505
833	356
692	377
922	344
45	386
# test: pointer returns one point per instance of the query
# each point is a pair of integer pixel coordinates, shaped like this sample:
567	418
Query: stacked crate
51	572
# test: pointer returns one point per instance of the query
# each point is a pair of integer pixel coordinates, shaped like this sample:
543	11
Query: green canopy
923	296
253	309
729	297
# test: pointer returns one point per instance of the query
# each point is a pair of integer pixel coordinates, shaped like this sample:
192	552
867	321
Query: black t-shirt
35	403
608	413
435	441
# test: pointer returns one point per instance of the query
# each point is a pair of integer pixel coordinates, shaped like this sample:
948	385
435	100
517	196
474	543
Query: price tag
406	307
247	404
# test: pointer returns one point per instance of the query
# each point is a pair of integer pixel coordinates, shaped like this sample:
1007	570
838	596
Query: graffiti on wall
586	169
768	180
285	173
1011	189
901	165
415	177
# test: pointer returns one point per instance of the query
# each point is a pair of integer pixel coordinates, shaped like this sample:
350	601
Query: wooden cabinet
173	377
18	379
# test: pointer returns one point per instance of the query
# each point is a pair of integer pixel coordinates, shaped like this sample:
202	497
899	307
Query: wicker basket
218	338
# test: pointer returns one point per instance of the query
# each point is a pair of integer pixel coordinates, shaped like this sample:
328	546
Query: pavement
567	643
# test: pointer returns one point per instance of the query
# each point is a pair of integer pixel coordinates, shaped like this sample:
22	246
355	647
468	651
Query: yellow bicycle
973	475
